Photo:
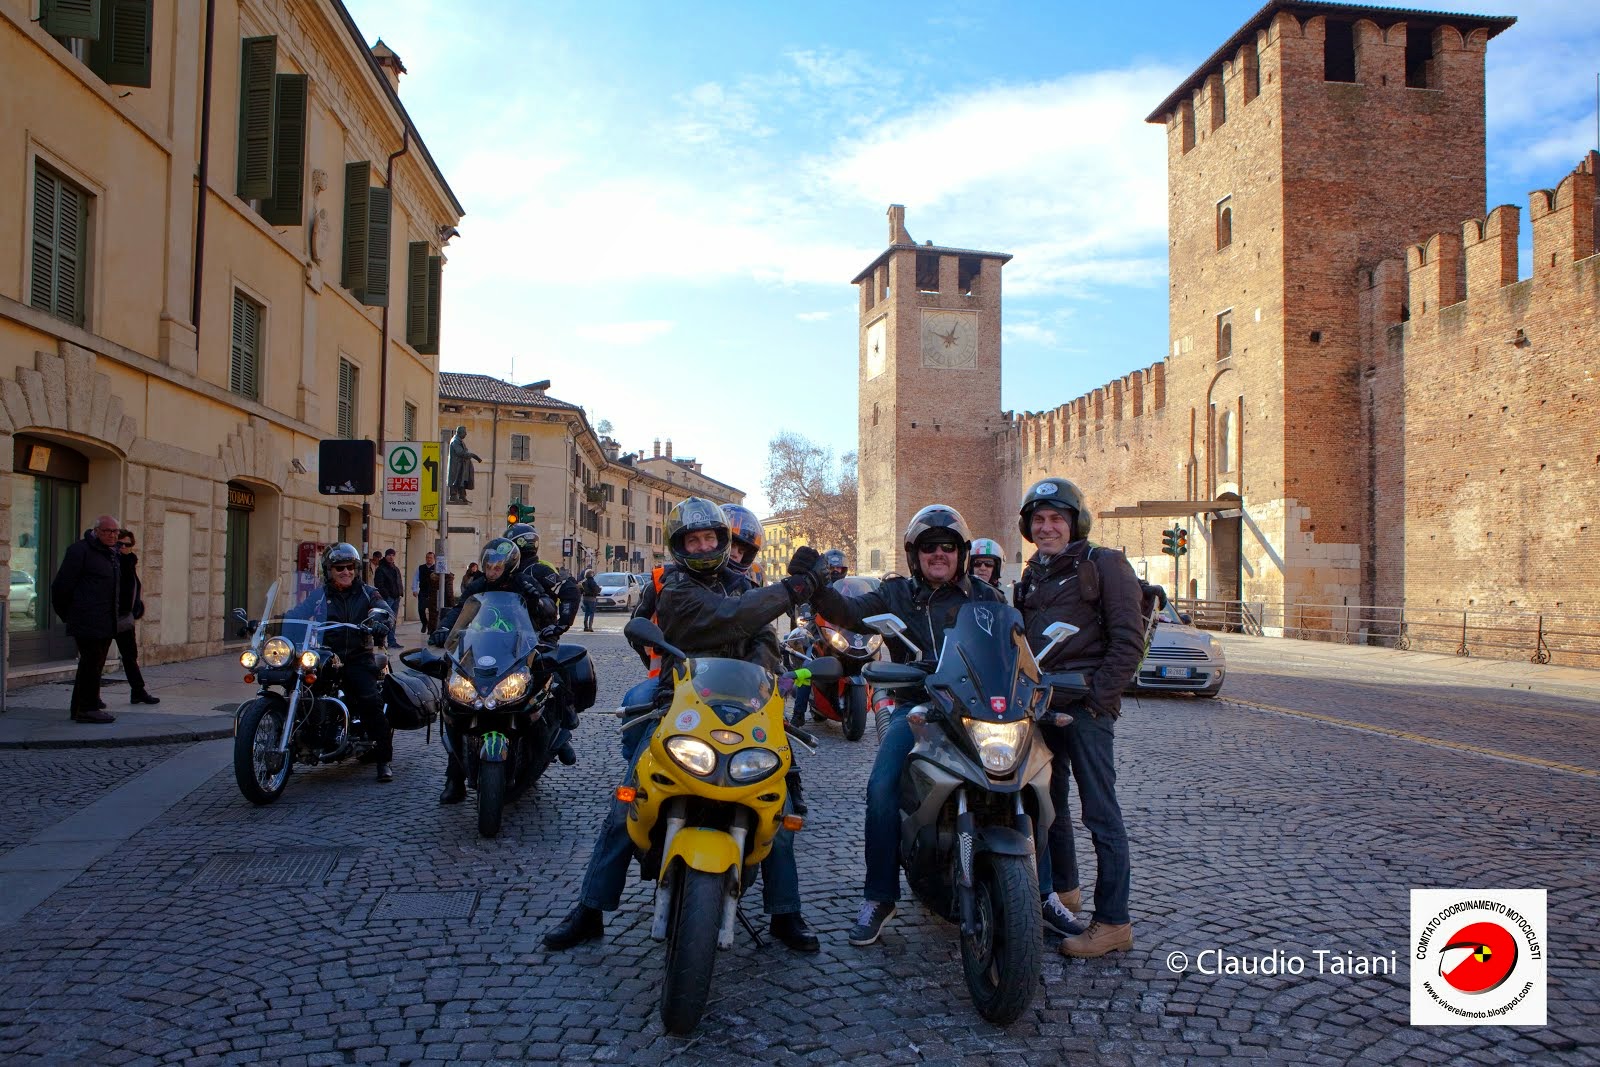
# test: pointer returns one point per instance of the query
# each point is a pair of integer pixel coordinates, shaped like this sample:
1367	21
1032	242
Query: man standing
84	595
425	587
391	586
1095	589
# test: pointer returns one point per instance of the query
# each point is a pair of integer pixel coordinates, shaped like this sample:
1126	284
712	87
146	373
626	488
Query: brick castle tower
929	390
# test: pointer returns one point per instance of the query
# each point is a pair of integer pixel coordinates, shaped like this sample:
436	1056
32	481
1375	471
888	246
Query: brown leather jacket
1102	598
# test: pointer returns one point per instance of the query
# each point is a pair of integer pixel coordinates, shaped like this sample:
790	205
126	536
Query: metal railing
1568	638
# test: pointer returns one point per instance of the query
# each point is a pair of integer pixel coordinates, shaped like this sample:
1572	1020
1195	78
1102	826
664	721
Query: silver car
618	591
1181	658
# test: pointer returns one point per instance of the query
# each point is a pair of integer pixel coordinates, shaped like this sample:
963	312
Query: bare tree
817	493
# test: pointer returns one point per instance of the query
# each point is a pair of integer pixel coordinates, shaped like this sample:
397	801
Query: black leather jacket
723	615
536	583
348	605
926	611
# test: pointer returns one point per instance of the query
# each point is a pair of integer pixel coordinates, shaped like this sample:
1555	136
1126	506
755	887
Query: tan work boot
1099	939
1072	900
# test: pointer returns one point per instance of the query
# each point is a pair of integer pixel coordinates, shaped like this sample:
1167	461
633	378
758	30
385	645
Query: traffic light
1169	542
518	512
608	552
1183	542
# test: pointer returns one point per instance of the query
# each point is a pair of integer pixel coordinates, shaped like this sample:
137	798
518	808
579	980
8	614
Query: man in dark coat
426	588
84	595
391	586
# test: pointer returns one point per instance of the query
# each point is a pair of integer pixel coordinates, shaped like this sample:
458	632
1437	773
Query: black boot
567	754
455	786
792	930
582	923
797	800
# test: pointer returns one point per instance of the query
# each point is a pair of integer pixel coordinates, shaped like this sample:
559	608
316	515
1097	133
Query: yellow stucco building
200	280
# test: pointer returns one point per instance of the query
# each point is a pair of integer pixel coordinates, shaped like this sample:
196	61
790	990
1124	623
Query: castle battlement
1449	268
1112	406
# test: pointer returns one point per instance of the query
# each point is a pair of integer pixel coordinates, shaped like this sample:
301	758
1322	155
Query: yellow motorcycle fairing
700	849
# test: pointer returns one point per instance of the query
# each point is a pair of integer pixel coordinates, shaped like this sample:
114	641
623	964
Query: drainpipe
204	171
383	340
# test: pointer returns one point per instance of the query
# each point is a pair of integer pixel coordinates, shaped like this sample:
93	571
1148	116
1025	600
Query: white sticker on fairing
1045	489
688	720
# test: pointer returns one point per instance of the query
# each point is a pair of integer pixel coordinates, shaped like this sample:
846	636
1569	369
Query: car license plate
1177	672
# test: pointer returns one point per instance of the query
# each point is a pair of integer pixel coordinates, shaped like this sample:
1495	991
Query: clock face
877	349
950	340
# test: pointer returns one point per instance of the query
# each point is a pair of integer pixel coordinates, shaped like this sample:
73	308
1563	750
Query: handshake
808	572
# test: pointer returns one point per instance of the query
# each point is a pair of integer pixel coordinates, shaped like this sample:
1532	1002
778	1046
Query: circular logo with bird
1478	957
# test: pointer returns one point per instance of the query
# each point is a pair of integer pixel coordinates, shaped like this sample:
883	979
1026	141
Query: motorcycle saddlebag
411	700
577	673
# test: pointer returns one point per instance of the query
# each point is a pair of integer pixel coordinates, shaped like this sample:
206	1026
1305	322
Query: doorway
236	553
1226	546
46	517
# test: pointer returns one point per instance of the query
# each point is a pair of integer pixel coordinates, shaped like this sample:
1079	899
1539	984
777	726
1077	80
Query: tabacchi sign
1478	956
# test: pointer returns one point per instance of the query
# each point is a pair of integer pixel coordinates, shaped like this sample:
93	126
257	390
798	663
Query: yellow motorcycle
706	800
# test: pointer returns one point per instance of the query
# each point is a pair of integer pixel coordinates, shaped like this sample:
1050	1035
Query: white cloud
1029	332
829	69
625	333
814	316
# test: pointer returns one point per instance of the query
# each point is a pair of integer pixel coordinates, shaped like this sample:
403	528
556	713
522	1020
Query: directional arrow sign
431	471
402	480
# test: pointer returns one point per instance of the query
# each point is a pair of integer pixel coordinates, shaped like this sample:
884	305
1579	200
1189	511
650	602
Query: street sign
402	480
566	546
431	477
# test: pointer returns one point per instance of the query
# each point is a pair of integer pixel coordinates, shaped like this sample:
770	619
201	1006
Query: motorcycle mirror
892	675
1056	633
891	626
426	661
824	669
645	632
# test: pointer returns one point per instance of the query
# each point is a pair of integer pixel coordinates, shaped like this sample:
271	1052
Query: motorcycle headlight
874	642
999	743
248	659
512	687
462	691
838	640
749	764
693	754
308	661
277	651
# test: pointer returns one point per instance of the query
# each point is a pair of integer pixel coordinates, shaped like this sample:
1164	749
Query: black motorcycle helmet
697	513
1062	495
937	518
525	535
499	559
837	566
343	552
745	531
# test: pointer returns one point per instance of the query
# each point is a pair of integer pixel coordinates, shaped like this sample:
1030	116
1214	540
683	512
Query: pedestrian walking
391	587
130	609
84	595
591	589
425	587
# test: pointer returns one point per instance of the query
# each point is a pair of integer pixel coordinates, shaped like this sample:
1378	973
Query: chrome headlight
999	743
512	687
749	764
838	640
309	660
248	659
461	689
693	754
277	651
874	643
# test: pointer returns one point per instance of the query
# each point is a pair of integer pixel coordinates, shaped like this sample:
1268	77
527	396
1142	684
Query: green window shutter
122	54
376	291
71	18
244	377
288	206
434	265
60	233
258	85
46	191
349	377
417	294
353	275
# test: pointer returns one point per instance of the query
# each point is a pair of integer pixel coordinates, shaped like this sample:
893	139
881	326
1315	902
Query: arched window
1225	433
1224	336
1225	222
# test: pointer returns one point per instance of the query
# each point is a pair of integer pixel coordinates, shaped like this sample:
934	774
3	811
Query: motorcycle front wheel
258	767
691	949
855	712
491	797
1002	960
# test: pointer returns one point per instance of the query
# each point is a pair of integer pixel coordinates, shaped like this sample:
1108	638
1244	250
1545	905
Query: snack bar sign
402	480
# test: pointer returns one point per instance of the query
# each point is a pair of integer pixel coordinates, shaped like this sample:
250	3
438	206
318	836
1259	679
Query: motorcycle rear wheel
1002	961
255	744
491	797
691	949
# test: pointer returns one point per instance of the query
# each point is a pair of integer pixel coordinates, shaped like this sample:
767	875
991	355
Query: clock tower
929	389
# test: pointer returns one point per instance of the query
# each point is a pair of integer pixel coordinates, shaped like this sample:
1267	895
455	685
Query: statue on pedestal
461	470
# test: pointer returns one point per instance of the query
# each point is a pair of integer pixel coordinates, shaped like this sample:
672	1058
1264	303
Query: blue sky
666	202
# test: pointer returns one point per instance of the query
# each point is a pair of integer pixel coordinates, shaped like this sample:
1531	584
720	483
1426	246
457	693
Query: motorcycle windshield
986	670
731	683
852	586
493	635
279	601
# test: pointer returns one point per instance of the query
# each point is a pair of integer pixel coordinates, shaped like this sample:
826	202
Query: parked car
618	591
1181	658
24	593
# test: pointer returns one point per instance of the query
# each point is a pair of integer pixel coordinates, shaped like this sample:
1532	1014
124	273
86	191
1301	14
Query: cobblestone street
355	923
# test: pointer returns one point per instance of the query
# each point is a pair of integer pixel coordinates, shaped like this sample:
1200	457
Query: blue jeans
883	808
394	620
1083	750
607	873
588	613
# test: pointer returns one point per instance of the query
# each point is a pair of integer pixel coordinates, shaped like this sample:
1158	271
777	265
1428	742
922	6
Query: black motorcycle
975	794
300	715
505	693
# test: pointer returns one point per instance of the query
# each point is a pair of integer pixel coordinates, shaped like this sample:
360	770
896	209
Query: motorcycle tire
691	949
491	797
1002	961
254	743
855	712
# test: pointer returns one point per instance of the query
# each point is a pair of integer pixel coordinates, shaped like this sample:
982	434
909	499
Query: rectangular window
927	272
409	422
422	298
365	265
519	492
60	246
111	37
1225	222
1339	52
627	498
519	447
349	380
244	368
286	205
1419	61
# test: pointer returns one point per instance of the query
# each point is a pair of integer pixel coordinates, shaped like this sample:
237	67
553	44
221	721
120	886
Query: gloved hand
800	586
377	627
804	560
437	638
551	635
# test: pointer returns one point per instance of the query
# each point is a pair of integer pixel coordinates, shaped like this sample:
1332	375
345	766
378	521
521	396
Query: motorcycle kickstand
749	928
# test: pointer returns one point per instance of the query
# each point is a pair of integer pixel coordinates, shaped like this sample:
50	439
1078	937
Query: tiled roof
487	390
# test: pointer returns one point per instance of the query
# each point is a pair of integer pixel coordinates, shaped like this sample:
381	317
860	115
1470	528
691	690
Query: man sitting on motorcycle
705	609
985	561
533	571
343	597
499	571
837	568
936	545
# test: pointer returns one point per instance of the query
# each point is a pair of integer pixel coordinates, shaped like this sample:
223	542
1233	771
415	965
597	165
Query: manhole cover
444	905
275	868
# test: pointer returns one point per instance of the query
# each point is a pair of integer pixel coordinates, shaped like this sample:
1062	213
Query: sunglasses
343	567
939	546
